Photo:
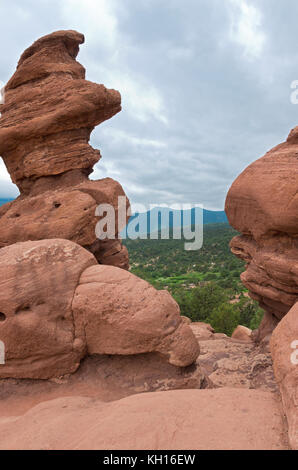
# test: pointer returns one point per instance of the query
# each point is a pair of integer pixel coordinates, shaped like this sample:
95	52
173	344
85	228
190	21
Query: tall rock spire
262	204
49	113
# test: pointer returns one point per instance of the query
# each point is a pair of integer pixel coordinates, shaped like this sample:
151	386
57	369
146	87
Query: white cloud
245	28
111	50
120	136
180	53
4	175
7	189
140	98
96	18
105	169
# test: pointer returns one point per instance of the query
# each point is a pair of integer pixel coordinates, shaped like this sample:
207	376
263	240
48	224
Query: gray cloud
205	86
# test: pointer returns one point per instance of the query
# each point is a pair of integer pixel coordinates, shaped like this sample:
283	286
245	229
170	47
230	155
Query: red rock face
284	349
38	283
262	204
221	419
58	305
49	112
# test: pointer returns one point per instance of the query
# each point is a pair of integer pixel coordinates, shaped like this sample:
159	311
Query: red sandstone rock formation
58	305
179	419
55	311
235	416
232	362
119	313
242	333
284	348
262	204
49	113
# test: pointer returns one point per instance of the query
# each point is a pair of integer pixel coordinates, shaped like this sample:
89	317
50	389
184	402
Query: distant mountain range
160	218
4	201
214	217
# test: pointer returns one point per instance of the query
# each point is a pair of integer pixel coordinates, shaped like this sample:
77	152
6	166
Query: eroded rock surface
228	362
103	377
58	305
284	347
60	309
262	204
38	281
242	333
50	110
119	313
49	113
181	419
225	418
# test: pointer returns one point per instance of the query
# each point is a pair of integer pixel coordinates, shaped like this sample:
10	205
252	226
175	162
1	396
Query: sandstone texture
202	330
229	362
244	412
58	305
181	419
119	313
49	113
262	204
50	110
103	377
82	337
242	333
38	281
284	348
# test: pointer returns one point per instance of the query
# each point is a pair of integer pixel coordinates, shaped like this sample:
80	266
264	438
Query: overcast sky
205	86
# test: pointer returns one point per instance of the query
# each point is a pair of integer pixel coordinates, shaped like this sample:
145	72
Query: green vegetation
205	283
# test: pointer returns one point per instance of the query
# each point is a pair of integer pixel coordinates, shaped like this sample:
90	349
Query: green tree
224	318
199	302
256	319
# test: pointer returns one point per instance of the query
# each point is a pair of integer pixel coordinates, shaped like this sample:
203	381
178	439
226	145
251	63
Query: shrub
224	318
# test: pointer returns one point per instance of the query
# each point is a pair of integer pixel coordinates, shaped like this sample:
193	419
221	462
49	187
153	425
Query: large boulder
58	305
242	333
263	201
37	285
120	313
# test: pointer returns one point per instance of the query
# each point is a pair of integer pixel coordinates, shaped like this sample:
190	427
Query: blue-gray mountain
4	201
161	218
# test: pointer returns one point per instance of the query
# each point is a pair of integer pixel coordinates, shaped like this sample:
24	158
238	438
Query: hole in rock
2	316
57	204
